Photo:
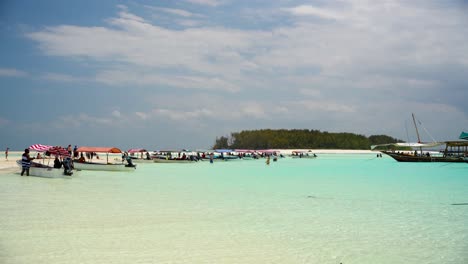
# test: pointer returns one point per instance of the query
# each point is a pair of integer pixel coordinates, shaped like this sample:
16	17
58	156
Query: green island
299	139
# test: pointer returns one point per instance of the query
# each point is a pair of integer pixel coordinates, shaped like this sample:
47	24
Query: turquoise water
337	208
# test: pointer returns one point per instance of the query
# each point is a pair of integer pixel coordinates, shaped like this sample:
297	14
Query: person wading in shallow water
25	162
6	153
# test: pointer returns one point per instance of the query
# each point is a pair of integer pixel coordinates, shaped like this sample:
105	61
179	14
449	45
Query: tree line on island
298	139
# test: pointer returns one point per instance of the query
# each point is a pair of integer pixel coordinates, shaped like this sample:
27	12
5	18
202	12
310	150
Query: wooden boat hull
410	158
102	166
44	171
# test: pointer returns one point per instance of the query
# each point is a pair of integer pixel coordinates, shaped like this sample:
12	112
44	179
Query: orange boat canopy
99	149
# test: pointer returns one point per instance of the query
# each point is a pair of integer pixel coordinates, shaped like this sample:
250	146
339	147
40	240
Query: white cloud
8	72
116	114
142	115
308	10
371	53
205	2
325	106
119	78
174	11
188	22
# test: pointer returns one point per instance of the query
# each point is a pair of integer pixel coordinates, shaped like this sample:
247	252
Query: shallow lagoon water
333	209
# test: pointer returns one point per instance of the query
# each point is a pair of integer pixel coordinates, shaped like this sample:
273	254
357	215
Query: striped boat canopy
99	149
53	150
223	150
39	147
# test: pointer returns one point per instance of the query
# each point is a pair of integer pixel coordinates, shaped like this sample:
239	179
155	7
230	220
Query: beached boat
247	154
101	166
41	170
174	156
44	170
303	154
226	155
139	155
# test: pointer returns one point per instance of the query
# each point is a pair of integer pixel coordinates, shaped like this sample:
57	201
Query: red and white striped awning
57	150
39	147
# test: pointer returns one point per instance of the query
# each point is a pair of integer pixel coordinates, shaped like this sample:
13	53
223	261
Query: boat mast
417	132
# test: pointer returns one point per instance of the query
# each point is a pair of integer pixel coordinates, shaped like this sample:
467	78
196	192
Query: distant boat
303	154
101	166
174	156
140	155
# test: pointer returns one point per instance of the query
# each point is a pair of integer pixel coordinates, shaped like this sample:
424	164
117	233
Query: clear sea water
350	209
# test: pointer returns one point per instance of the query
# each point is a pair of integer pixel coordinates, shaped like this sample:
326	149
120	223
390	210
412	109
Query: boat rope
433	140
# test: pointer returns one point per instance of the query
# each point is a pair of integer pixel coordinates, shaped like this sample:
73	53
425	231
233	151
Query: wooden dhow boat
455	151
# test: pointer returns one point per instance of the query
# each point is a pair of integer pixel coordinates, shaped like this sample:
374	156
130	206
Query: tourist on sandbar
25	162
6	153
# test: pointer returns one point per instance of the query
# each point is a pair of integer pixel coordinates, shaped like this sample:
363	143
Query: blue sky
173	74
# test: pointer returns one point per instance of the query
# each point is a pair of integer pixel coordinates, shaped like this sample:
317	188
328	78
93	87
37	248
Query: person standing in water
268	160
6	153
25	162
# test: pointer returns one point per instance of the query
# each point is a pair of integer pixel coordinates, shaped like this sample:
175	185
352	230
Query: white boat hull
44	171
171	161
102	166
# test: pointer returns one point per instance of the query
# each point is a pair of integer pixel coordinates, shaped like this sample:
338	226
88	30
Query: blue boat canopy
463	135
224	150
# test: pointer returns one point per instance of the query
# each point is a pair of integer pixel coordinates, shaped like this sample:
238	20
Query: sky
179	74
